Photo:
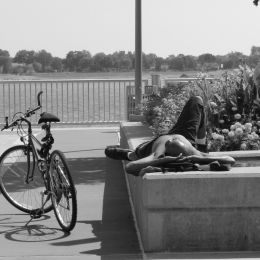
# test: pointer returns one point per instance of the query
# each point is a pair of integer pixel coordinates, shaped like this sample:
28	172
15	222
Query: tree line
26	62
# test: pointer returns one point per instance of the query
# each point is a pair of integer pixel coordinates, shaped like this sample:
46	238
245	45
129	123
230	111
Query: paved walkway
105	227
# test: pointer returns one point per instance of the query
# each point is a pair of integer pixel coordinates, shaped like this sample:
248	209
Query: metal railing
146	94
184	80
73	101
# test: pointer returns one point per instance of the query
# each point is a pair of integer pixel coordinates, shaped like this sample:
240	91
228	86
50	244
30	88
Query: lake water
71	101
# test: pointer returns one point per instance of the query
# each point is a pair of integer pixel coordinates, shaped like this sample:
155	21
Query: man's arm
134	167
207	158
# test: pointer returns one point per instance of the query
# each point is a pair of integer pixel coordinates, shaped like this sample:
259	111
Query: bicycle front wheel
26	195
63	192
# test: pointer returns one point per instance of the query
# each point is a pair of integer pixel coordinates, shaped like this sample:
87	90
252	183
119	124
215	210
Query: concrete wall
194	211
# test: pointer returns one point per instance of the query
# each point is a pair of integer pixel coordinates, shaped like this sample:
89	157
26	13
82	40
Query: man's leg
141	151
191	122
201	144
117	153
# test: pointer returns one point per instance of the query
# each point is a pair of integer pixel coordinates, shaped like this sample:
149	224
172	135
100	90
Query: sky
169	27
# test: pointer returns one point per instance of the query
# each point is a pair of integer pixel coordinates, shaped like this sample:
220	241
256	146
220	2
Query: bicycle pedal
36	216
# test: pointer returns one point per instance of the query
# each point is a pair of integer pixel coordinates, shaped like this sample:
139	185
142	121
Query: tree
117	58
255	51
99	62
206	58
56	64
44	58
131	56
149	60
85	64
234	59
108	61
78	60
176	63
37	66
5	61
125	63
4	53
24	56
190	62
158	63
5	64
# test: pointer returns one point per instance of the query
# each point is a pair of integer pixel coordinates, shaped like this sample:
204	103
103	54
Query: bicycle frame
36	157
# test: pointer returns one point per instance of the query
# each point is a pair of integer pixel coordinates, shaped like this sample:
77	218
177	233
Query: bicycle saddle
47	117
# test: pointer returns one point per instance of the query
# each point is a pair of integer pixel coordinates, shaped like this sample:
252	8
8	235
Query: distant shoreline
100	75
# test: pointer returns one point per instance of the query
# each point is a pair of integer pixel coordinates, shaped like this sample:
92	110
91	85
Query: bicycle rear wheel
15	163
63	191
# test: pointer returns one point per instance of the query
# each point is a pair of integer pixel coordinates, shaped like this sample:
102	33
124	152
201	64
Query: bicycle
33	179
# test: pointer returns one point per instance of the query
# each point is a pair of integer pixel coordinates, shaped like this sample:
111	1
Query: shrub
37	66
163	109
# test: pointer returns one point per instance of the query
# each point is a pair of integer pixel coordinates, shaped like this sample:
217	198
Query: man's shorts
191	125
144	149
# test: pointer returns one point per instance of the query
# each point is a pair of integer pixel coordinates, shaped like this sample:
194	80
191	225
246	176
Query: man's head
174	147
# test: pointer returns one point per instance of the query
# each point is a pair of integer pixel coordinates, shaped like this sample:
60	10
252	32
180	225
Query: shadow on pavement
116	231
14	228
87	170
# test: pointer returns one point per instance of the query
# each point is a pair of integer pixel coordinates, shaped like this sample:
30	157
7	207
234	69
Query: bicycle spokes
63	192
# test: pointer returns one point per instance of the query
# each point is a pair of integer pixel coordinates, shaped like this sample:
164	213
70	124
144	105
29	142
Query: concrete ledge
195	211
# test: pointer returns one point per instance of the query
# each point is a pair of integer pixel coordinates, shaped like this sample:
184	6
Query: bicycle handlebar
7	125
27	114
38	98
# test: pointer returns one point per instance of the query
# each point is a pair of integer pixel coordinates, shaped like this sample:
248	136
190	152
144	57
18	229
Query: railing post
138	54
127	110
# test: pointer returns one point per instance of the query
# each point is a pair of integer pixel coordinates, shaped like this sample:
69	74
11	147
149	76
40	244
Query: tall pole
138	53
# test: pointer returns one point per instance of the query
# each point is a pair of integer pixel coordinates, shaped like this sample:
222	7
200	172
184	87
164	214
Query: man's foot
116	153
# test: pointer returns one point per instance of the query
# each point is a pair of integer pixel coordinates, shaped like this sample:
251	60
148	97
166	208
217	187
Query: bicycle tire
27	197
63	191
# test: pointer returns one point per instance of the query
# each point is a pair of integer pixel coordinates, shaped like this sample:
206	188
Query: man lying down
182	148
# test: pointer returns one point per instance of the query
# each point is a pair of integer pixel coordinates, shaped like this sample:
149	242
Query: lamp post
138	54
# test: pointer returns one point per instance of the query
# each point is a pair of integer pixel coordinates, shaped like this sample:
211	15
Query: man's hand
149	169
179	159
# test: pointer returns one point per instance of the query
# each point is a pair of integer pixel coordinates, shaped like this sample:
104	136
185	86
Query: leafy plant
163	109
232	106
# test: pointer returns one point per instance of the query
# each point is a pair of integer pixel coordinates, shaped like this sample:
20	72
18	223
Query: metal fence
168	80
73	101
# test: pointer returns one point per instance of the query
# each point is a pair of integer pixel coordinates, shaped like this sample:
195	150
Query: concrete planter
136	118
195	211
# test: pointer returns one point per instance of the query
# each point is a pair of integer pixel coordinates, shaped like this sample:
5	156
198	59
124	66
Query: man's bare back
173	145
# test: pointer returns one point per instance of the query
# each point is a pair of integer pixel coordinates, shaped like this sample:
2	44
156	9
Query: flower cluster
238	137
